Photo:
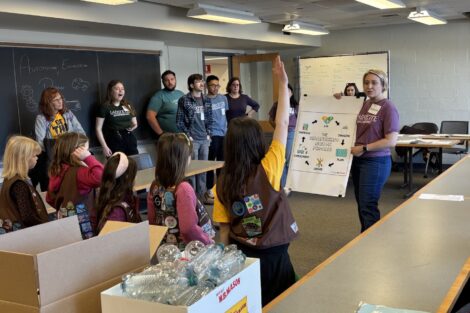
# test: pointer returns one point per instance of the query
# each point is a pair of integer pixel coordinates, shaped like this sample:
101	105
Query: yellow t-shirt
273	165
57	126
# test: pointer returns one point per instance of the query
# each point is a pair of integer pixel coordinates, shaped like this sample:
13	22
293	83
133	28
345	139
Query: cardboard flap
156	233
17	307
75	267
43	237
19	282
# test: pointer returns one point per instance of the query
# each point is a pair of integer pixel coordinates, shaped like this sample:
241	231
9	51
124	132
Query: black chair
454	128
428	156
421	128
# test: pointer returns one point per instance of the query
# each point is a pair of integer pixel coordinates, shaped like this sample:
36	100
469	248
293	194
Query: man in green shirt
161	111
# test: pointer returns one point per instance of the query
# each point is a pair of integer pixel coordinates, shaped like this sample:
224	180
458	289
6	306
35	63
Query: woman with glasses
239	104
53	120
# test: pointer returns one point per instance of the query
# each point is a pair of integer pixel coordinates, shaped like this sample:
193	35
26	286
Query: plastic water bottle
200	263
224	268
193	248
195	293
168	253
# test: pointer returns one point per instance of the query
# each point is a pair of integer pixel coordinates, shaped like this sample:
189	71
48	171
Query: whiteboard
324	76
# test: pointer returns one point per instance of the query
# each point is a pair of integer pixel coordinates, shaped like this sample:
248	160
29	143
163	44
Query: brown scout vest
132	215
8	209
68	192
262	219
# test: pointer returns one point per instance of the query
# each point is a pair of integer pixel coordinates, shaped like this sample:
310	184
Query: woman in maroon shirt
239	104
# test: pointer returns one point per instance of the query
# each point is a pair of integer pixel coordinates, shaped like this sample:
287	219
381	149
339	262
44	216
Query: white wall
429	66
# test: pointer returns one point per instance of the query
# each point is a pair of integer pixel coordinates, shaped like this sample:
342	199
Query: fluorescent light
304	28
112	2
384	4
213	13
426	17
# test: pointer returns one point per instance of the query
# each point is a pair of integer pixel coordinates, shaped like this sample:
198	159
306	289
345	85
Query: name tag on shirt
374	109
202	116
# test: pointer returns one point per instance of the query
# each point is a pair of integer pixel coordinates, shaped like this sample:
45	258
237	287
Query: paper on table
431	196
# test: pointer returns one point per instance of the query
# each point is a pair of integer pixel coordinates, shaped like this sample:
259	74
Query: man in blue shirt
219	129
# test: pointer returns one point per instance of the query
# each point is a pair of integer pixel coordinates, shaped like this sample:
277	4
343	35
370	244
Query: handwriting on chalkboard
27	68
80	84
27	94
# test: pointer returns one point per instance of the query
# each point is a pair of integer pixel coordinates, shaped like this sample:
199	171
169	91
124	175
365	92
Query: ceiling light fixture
213	13
426	17
384	4
112	2
304	28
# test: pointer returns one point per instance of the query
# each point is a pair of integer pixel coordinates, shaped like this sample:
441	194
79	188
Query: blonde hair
381	75
19	150
63	151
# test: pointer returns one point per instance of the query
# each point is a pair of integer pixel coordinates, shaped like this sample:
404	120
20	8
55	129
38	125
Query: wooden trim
455	290
101	49
346	247
268	57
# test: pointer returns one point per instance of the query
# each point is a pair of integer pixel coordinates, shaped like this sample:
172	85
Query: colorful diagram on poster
321	159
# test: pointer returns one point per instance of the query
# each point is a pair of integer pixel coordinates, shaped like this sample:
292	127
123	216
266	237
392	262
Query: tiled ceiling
333	14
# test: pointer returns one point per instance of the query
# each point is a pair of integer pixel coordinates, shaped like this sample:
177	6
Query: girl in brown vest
116	201
20	204
74	175
250	207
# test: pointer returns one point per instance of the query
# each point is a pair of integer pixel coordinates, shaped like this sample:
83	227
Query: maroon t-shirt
374	121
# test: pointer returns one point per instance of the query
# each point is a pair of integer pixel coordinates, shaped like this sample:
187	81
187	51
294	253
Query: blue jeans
289	143
369	175
200	152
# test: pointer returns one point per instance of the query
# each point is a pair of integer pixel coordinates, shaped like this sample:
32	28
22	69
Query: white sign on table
321	154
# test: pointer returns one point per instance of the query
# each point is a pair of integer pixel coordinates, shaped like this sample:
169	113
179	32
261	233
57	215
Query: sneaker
210	194
207	199
287	191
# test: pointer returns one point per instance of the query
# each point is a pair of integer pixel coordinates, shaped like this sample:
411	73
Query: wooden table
414	141
144	178
409	259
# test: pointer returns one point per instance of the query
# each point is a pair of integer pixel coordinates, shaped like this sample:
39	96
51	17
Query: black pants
39	174
121	140
277	272
216	152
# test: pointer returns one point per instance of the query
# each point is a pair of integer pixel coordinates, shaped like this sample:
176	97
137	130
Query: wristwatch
364	148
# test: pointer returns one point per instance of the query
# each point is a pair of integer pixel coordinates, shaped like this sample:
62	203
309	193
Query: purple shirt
293	112
374	121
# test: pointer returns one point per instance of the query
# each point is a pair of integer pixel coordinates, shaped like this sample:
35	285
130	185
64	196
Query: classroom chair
144	161
455	127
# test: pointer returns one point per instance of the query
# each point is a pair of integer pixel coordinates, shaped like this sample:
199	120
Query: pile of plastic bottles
182	278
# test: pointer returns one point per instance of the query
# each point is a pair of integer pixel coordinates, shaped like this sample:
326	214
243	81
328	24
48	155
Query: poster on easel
321	154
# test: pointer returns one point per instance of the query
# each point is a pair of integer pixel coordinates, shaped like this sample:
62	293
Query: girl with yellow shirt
250	208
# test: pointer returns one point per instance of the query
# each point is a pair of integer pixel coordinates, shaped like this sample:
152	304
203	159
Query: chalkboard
324	76
81	76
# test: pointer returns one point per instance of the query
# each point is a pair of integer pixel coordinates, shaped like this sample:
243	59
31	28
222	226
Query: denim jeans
289	143
200	152
369	175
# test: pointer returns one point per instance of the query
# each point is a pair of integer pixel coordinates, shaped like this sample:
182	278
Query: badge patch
252	226
253	203
238	208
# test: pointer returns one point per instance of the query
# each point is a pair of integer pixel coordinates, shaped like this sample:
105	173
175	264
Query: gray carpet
326	223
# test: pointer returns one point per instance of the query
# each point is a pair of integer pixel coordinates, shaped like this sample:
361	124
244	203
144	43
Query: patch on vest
253	203
238	208
294	227
7	226
252	226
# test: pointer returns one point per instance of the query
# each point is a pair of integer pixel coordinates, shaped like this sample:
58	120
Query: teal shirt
165	103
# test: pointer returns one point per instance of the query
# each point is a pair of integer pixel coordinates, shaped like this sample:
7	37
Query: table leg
405	170
440	160
411	191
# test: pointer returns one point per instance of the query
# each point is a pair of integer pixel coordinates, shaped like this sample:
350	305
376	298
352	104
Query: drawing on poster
325	141
321	155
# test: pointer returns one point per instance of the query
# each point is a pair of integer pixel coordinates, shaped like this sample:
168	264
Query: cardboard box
241	293
156	233
49	268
